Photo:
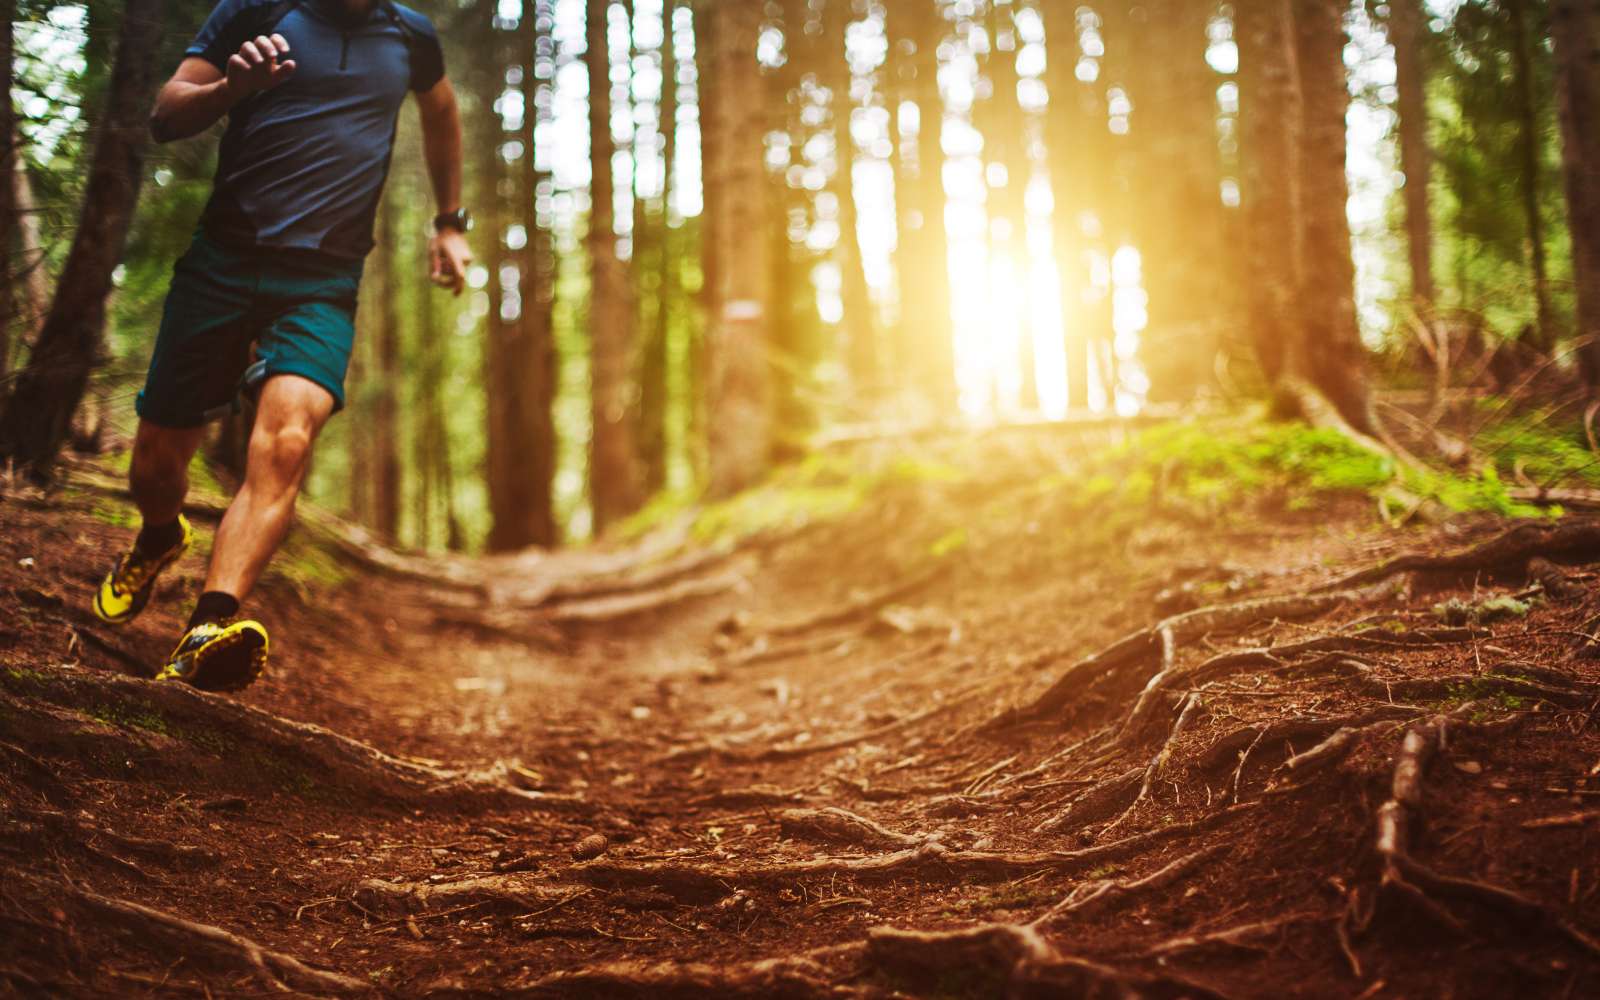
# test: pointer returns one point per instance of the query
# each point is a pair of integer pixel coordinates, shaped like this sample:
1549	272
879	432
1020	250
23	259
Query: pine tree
1406	32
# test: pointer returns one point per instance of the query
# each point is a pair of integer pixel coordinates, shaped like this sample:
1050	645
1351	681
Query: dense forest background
709	231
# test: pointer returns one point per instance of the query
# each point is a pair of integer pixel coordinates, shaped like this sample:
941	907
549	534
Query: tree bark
862	346
8	194
1575	27
654	368
37	416
1406	33
1269	113
613	476
1528	141
383	435
739	379
925	287
1333	358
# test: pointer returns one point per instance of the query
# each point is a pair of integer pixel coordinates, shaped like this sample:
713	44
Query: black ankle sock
155	539
213	606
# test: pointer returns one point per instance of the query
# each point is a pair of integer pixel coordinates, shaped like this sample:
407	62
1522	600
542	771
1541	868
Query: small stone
1469	767
590	847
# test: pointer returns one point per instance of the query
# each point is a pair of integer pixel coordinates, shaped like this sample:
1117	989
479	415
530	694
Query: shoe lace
132	573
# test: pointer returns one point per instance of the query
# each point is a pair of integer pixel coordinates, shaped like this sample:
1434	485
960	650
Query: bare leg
158	475
289	415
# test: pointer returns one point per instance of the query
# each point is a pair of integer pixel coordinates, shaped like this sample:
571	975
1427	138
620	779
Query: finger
282	44
252	55
265	47
283	71
238	64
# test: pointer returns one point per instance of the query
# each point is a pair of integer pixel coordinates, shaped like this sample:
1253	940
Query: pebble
1469	767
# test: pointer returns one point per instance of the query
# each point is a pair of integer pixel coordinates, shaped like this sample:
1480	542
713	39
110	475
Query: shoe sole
231	663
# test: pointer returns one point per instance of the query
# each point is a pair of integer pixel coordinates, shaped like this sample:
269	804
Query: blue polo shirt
302	165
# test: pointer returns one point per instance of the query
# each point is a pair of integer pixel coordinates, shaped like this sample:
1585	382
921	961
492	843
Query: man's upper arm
437	101
427	55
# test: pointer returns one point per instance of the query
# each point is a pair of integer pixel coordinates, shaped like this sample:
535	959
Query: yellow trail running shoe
126	589
214	656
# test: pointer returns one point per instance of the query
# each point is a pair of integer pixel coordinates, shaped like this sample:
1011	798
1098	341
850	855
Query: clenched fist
259	65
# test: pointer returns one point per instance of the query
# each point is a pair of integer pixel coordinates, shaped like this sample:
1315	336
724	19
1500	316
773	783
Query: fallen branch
518	893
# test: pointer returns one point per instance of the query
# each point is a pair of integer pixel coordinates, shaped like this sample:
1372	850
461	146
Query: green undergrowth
1549	453
821	487
1229	466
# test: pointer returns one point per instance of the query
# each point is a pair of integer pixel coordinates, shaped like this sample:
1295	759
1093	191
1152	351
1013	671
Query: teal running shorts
297	309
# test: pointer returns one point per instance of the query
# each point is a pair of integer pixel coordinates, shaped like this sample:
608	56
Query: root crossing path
1307	757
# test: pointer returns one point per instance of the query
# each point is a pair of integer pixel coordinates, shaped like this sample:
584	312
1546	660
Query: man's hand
448	259
257	66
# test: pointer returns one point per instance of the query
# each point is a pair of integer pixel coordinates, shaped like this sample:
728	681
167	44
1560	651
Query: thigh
313	329
204	342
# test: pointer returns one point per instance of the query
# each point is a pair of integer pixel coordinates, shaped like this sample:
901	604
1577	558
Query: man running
312	90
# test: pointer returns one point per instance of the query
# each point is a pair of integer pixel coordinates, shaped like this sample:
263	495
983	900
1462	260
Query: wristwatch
460	220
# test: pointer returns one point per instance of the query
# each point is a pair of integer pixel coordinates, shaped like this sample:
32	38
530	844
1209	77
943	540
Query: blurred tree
613	474
654	363
1575	27
1006	130
9	241
925	283
738	382
1331	355
1407	31
35	421
859	325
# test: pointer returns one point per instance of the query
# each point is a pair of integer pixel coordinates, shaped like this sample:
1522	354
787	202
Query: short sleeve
427	55
228	28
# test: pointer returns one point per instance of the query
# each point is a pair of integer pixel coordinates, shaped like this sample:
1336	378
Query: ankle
154	539
213	606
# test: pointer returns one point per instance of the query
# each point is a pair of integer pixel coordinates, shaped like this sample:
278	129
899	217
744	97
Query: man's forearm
441	147
185	109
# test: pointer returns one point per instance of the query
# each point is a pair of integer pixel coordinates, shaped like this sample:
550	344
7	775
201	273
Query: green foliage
1214	467
1456	612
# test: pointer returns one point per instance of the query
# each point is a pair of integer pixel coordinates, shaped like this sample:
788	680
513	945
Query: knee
158	456
284	451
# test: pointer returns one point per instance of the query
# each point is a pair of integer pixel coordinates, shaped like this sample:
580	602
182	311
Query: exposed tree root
799	977
1097	803
931	861
1012	960
1189	711
621	607
79	712
201	943
1508	550
616	584
1099	896
1233	937
1406	878
1225	750
516	893
840	826
1155	645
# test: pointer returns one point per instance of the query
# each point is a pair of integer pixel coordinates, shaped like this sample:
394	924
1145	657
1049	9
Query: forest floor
978	722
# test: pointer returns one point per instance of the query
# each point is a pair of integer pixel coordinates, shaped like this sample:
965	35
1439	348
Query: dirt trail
957	742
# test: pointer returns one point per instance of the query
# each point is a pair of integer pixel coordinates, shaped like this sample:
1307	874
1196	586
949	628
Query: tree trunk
925	287
613	480
1575	26
859	326
1528	140
1178	214
1006	140
1333	358
38	414
654	368
1075	134
8	195
739	386
1406	31
1269	113
383	434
